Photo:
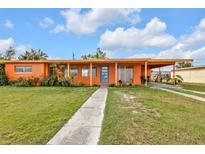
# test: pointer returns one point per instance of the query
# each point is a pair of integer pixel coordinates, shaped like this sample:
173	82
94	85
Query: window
86	71
125	74
23	69
94	71
74	71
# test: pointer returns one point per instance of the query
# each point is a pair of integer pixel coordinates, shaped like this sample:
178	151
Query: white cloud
46	22
22	48
58	28
190	46
110	53
152	36
88	22
8	24
6	43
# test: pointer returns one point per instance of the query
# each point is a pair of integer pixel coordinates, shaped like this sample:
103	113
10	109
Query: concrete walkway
183	94
85	125
194	91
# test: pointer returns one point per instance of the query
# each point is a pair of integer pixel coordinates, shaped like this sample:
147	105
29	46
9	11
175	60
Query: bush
21	82
54	81
2	69
45	81
112	85
3	80
35	81
12	82
66	82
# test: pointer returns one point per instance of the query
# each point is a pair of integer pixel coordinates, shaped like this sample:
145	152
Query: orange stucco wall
42	70
95	80
85	80
38	70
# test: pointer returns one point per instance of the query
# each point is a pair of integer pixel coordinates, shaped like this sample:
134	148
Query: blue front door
104	74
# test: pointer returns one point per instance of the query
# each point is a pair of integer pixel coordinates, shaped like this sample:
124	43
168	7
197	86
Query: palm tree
98	55
88	56
40	55
33	55
26	56
183	64
10	53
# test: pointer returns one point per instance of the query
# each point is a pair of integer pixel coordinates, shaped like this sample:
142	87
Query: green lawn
194	86
33	115
152	116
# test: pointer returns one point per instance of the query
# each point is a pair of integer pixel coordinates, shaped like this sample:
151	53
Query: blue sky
122	33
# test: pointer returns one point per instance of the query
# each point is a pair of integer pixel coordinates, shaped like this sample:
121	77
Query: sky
121	33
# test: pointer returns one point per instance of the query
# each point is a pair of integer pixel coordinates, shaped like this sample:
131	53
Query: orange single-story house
135	71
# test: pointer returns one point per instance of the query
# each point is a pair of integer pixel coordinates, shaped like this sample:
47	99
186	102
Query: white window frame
87	68
24	69
94	68
85	71
76	73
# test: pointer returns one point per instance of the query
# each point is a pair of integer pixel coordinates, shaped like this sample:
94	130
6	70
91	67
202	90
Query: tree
33	55
98	55
1	57
9	54
183	64
41	55
88	56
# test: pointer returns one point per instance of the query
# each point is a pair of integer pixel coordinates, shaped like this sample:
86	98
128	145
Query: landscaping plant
3	78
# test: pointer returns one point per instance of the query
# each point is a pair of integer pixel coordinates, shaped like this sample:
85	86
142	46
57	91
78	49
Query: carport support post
174	74
68	67
145	73
116	74
91	74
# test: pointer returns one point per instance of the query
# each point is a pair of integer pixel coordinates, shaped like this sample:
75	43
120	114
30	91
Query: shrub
55	81
21	82
45	81
66	82
35	81
3	80
52	81
2	69
95	85
112	85
12	82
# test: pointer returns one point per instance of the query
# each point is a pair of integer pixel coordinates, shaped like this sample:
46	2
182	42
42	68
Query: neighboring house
192	74
94	71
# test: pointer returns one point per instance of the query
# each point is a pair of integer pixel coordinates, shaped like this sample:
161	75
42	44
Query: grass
33	115
152	116
194	86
